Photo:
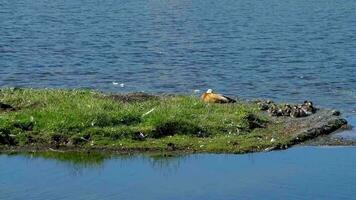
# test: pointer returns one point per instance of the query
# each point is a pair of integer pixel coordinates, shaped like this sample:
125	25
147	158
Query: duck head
308	103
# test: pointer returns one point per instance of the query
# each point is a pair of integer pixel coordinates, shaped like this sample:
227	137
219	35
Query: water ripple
286	50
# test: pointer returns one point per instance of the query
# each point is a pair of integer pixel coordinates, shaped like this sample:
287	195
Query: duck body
298	110
211	97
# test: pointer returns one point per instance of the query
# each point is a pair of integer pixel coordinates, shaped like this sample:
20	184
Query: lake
297	173
285	50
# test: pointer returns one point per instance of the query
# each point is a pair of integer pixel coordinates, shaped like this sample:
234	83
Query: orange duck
210	97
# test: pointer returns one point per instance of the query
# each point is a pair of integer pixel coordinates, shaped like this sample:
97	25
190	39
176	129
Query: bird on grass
210	97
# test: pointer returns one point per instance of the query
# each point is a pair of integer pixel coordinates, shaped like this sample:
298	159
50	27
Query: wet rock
328	125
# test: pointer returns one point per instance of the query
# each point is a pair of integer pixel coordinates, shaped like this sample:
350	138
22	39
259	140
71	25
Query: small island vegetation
82	120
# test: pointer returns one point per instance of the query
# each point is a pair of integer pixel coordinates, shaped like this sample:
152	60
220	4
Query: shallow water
297	173
281	49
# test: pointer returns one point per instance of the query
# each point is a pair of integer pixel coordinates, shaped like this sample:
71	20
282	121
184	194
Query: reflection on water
72	158
297	173
78	161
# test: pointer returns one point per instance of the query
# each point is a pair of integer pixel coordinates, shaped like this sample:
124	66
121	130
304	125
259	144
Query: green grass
81	118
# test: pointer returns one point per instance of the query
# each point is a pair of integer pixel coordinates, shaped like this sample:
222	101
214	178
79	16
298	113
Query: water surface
297	173
286	50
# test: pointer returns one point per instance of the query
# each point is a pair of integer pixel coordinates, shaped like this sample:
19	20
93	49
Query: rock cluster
298	110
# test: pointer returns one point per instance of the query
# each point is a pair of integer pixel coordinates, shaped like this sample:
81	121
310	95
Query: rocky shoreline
321	123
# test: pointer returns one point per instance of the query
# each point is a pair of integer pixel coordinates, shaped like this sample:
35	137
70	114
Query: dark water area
285	50
297	173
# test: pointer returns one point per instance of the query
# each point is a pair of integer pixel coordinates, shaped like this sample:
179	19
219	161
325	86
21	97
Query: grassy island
42	119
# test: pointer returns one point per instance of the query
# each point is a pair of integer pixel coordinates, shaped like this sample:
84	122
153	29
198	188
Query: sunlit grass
89	118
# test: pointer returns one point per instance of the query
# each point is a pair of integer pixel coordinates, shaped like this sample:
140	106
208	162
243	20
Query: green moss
89	118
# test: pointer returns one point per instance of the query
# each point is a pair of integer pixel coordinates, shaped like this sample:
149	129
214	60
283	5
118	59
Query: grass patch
87	118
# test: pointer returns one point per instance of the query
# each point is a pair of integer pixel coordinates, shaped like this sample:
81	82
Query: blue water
286	50
297	173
